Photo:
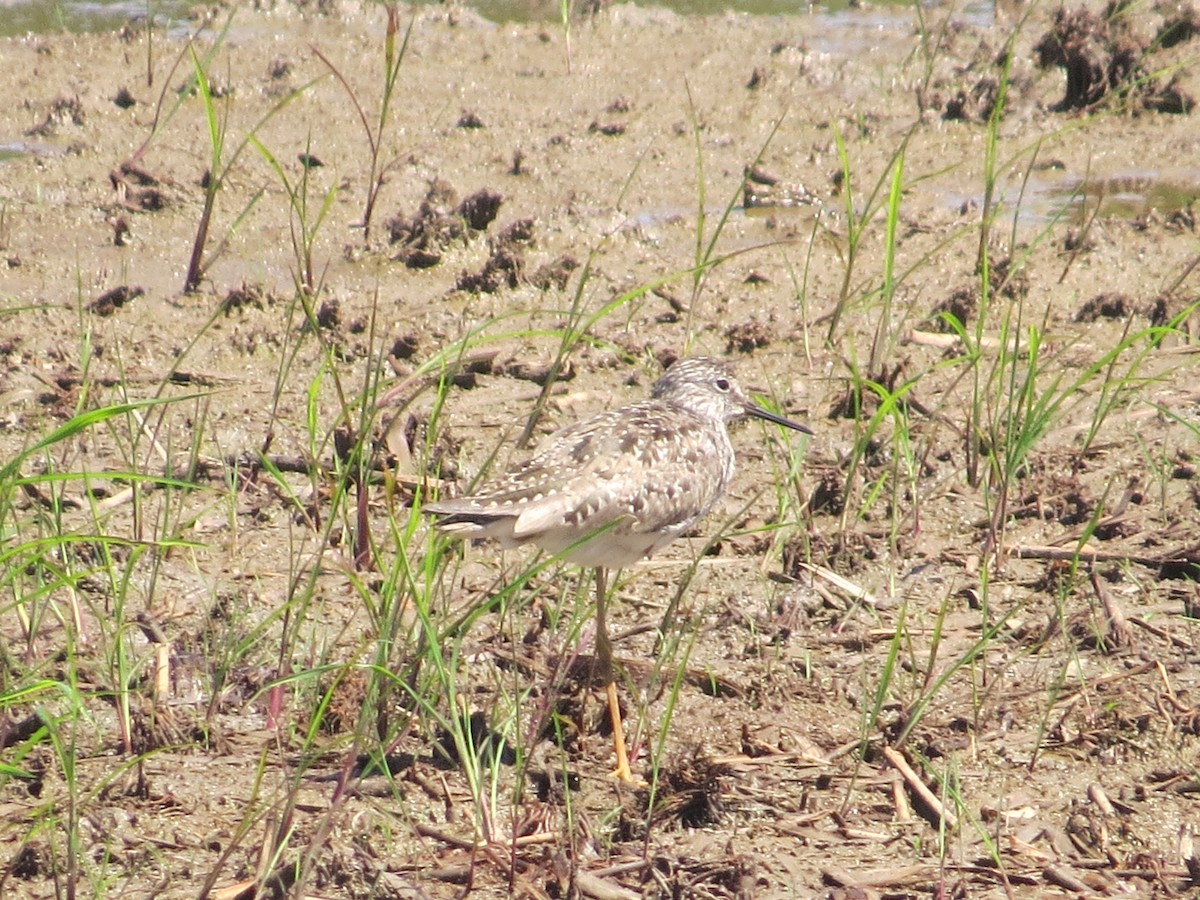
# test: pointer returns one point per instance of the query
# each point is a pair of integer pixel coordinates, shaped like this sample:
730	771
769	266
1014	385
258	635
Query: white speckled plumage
617	487
612	489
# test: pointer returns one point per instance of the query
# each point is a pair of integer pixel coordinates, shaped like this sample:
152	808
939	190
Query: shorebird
608	491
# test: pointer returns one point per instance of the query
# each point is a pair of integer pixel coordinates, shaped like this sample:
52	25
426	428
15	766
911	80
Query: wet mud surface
947	646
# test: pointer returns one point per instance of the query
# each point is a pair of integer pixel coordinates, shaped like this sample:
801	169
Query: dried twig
1119	632
924	794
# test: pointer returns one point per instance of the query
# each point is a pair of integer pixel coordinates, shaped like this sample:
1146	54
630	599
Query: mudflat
264	290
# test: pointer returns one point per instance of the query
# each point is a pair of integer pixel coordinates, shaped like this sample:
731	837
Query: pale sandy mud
1052	708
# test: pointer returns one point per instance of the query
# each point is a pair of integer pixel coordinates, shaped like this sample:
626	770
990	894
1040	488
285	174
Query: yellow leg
604	658
622	771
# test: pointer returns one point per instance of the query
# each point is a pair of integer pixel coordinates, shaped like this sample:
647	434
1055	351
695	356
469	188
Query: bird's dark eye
722	384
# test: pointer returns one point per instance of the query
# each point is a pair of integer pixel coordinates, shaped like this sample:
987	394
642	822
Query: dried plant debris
692	792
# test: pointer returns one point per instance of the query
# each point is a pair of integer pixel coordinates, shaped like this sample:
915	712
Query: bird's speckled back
633	478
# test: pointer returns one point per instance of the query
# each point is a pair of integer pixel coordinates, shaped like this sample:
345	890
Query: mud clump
1111	305
1104	57
151	200
974	104
962	304
505	264
502	269
960	307
1110	57
440	222
1179	29
746	336
63	111
110	301
470	121
247	296
554	275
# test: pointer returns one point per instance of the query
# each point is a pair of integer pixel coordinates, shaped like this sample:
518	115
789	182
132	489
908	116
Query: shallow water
1127	194
1054	194
976	11
19	17
53	16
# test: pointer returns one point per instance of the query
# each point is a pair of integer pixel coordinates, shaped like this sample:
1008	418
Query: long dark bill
758	412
